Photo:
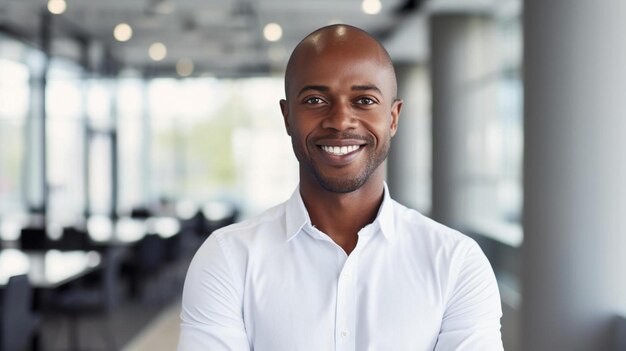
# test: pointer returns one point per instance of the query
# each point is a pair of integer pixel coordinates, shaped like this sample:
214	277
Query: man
340	265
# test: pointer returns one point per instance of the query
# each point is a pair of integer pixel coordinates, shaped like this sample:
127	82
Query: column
459	49
574	249
408	166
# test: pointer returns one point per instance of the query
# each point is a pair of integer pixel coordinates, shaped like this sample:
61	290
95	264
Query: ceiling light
157	51
184	67
122	32
272	32
371	7
57	7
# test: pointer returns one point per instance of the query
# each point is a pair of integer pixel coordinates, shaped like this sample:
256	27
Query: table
125	231
47	269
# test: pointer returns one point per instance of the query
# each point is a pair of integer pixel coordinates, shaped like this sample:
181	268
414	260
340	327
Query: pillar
408	165
459	49
574	248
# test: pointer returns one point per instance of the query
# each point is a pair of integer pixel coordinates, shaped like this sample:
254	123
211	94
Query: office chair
98	299
73	239
150	257
140	213
18	323
34	238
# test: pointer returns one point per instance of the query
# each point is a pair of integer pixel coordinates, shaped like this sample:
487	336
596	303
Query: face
341	113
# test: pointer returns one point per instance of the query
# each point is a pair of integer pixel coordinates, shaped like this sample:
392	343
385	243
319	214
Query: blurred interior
130	130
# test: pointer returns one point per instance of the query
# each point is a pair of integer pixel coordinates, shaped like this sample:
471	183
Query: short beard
343	185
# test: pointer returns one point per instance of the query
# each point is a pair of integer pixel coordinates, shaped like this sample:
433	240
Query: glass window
100	185
65	127
493	183
220	139
133	139
20	180
14	109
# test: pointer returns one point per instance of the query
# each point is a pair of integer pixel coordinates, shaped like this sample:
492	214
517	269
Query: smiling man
340	265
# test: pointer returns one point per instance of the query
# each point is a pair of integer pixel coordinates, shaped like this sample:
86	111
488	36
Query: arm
472	317
211	317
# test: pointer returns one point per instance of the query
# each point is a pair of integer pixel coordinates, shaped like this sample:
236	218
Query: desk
126	231
47	269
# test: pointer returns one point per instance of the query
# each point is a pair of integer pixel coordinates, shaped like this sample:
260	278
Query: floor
149	322
133	326
161	334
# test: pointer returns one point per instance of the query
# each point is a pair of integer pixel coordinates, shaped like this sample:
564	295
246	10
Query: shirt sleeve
472	317
211	316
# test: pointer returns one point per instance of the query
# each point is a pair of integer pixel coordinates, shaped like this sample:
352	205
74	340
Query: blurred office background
129	130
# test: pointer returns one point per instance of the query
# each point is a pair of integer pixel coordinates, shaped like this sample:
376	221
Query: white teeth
340	150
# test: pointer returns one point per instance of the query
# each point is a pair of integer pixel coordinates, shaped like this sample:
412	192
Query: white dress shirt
275	283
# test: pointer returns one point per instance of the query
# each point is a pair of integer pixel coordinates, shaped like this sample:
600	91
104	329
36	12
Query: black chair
218	214
73	239
97	298
151	252
140	213
34	238
620	333
18	323
150	256
196	224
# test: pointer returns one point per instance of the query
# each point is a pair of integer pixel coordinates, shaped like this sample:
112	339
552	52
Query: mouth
340	150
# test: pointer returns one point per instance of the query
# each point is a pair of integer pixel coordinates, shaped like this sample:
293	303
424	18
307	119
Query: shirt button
344	333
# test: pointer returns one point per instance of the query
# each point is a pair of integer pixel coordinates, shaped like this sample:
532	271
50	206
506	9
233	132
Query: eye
365	101
314	101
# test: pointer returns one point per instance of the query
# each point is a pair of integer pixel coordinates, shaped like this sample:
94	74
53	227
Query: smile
340	150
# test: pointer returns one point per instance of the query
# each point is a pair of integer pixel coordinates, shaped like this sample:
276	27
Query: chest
303	298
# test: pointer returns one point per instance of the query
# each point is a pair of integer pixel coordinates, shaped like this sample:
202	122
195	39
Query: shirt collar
297	217
385	217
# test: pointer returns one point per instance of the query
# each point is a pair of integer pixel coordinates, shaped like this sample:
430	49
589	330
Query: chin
340	185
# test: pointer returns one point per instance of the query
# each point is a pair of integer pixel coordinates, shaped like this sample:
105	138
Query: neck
342	215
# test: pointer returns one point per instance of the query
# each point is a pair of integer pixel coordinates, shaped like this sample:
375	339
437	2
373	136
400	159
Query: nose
340	117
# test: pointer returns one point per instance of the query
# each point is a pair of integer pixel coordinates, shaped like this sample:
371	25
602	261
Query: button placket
346	305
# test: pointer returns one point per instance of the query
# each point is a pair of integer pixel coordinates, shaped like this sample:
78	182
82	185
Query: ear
395	115
284	108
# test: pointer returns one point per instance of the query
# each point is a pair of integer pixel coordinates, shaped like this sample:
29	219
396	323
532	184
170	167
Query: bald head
338	42
340	90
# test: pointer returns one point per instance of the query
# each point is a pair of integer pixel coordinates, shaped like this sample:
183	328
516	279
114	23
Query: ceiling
220	37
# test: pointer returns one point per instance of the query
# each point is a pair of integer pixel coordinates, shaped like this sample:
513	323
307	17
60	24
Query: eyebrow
366	87
324	89
321	88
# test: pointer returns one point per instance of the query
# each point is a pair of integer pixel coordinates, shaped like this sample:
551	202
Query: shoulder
414	227
239	238
448	253
269	224
455	259
224	255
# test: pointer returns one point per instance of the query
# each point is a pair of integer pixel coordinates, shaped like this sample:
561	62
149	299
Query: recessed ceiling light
371	7
184	67
57	7
273	32
157	51
123	32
